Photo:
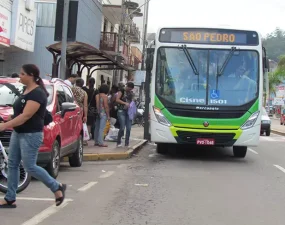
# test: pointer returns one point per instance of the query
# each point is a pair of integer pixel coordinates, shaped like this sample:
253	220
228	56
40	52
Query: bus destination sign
209	36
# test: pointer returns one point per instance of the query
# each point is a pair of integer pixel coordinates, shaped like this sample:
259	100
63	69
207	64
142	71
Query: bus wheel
161	148
240	151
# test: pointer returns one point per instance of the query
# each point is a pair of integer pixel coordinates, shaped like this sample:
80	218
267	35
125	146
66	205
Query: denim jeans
124	121
99	129
25	146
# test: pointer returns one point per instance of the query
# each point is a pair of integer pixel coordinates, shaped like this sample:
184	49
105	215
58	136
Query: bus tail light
160	117
251	121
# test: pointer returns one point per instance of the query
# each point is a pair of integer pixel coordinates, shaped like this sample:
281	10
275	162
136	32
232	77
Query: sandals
8	205
60	200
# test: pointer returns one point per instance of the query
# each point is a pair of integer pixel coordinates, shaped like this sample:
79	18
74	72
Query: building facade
88	31
117	36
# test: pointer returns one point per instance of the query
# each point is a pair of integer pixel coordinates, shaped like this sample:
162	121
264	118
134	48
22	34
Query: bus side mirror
149	59
266	64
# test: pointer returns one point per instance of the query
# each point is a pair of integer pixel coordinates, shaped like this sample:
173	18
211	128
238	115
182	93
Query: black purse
92	111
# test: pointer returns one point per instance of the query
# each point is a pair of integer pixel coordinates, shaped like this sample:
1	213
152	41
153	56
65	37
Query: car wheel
239	151
268	132
161	148
76	159
54	165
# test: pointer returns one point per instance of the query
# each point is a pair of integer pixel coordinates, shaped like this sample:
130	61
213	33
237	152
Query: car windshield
225	78
8	95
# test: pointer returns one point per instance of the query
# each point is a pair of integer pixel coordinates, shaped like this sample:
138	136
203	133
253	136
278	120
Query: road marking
267	139
253	151
41	199
107	174
87	186
280	168
45	214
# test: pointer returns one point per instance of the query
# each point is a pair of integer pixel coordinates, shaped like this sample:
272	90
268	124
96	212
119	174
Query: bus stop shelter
84	56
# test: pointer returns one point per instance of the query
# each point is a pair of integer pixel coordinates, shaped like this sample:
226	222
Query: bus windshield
225	77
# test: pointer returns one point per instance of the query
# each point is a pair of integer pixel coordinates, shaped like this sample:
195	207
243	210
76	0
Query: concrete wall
40	56
89	22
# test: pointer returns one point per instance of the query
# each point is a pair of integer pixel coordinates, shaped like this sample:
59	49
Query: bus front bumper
178	135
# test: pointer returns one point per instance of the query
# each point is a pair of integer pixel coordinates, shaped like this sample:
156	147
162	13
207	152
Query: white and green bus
206	88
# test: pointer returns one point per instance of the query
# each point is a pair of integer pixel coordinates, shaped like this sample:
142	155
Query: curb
278	132
112	156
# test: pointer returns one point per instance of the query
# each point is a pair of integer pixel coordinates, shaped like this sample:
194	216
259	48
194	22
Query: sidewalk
276	127
95	153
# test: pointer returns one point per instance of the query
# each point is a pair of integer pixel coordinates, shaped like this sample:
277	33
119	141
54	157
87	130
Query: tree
276	78
275	44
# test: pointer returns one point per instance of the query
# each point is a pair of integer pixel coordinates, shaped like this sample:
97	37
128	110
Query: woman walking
27	136
103	115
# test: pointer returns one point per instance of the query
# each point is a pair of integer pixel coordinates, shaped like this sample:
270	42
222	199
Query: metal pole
64	39
145	32
120	39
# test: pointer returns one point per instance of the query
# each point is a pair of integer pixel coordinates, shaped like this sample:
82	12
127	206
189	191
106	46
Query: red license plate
205	141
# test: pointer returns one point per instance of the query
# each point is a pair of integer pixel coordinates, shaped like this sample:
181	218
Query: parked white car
265	123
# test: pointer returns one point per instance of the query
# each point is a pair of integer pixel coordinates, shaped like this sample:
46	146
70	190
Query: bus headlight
251	121
160	117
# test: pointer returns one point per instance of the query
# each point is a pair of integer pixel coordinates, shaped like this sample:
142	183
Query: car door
74	116
64	122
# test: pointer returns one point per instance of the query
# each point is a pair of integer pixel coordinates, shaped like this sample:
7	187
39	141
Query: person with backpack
123	100
28	122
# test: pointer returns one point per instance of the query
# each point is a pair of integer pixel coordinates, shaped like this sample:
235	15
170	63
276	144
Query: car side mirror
67	107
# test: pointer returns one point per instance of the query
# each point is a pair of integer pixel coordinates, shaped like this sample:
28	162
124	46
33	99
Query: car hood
5	112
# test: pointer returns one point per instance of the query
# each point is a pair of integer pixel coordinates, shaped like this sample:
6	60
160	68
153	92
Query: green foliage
275	44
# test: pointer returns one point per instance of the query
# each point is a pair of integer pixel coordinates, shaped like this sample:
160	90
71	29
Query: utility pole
145	31
64	39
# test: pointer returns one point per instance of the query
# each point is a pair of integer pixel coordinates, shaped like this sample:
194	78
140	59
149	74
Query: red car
63	137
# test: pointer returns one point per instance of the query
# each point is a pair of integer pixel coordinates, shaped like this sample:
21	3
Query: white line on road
254	152
280	168
45	214
41	199
87	186
107	174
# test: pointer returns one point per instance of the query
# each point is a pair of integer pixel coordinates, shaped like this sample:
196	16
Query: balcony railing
109	41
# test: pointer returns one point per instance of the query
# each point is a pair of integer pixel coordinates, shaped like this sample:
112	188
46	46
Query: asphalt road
197	187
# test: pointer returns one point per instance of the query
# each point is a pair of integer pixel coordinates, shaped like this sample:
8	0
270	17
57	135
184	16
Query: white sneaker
119	146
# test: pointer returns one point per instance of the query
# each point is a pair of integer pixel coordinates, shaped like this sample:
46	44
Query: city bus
206	88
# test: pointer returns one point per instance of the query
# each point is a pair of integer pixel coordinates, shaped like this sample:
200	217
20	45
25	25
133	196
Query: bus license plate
205	141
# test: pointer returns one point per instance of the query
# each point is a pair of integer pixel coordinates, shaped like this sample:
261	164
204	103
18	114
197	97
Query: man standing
124	98
71	80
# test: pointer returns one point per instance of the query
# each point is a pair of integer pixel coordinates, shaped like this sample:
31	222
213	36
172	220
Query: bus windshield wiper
190	60
221	71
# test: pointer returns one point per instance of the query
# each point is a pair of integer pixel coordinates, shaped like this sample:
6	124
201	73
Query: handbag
92	110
